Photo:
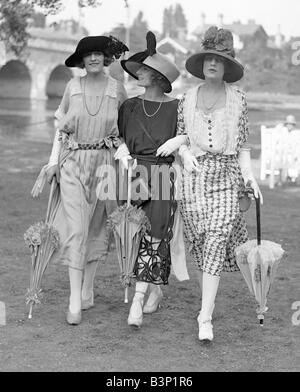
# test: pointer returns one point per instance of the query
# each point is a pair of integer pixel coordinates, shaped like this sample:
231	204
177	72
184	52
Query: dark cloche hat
218	42
110	46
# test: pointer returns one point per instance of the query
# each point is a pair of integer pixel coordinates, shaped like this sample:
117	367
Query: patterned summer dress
89	141
213	223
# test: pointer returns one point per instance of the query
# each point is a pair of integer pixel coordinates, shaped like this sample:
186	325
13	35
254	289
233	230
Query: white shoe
205	329
153	301
135	317
87	303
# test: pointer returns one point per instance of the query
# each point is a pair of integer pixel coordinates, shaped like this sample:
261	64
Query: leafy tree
137	33
179	17
15	16
174	21
167	21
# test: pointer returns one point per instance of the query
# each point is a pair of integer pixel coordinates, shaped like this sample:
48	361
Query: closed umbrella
258	261
129	223
43	240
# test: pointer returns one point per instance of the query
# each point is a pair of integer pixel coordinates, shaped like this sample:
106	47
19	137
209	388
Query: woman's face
93	62
213	67
145	76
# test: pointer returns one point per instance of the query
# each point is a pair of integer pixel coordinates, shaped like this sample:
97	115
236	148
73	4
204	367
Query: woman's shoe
73	318
87	303
205	330
153	301
135	317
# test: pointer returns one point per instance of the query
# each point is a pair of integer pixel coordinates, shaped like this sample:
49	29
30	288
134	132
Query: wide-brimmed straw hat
217	42
109	46
154	60
290	119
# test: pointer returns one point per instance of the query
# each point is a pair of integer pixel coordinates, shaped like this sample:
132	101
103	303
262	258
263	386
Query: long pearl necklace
152	115
85	102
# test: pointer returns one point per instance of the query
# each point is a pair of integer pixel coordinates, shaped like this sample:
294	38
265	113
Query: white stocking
140	289
210	284
75	290
88	281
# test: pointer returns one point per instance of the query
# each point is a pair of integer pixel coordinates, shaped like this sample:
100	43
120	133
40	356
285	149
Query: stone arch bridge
41	72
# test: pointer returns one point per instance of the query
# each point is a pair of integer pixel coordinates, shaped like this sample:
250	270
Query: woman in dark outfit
148	124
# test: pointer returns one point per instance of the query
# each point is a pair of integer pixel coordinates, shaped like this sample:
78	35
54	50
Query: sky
269	13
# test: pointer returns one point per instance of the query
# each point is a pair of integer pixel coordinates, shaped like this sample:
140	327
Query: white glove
171	145
53	160
121	151
49	170
122	154
190	162
125	161
249	180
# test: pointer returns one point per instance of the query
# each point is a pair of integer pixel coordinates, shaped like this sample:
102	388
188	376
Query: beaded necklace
85	102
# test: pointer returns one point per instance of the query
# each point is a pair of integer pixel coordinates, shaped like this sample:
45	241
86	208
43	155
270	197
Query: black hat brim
74	60
92	44
234	71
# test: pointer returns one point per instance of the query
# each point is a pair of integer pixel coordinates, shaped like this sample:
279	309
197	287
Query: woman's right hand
190	163
51	172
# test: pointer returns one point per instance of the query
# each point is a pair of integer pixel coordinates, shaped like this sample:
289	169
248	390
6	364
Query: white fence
280	154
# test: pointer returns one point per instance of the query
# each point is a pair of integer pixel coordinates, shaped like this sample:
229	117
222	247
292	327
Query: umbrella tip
261	319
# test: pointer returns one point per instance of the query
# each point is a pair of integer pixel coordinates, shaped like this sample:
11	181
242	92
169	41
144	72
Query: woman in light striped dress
86	139
217	165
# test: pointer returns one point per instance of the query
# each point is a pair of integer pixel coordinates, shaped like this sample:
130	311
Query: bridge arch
15	80
57	81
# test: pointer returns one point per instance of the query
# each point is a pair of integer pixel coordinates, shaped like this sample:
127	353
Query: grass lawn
167	340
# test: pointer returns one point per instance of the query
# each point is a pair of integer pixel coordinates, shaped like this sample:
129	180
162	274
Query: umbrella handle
52	189
258	224
261	319
129	176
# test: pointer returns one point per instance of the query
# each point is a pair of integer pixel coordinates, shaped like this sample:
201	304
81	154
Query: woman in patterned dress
87	137
148	124
217	165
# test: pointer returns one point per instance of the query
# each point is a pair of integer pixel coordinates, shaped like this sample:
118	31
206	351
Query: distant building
177	49
242	33
278	40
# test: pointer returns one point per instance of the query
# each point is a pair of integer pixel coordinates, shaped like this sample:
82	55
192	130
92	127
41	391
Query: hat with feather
218	42
109	46
154	60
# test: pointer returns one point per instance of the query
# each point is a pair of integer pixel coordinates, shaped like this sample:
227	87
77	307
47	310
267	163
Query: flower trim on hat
116	47
220	40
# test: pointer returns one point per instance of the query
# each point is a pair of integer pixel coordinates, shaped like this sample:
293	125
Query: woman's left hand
169	146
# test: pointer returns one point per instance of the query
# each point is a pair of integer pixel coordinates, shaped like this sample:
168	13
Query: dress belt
110	141
154	159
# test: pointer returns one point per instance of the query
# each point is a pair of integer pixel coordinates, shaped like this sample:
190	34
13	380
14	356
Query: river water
33	120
